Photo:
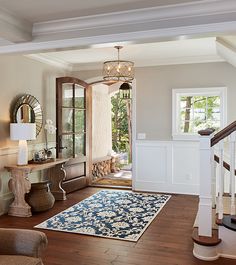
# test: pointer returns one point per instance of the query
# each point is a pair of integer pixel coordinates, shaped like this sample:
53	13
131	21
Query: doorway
73	135
112	137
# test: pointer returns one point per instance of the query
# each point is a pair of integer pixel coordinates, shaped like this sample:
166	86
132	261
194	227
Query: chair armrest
22	242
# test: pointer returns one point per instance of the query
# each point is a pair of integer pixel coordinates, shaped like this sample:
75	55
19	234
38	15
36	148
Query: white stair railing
209	190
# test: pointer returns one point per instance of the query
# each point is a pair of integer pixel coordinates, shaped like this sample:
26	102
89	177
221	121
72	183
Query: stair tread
205	240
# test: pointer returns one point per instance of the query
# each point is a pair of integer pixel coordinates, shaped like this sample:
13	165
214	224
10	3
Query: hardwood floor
167	241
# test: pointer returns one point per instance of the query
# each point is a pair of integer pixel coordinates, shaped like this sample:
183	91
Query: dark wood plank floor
167	241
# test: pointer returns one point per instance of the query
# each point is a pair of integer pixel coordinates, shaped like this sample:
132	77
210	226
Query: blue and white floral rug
109	213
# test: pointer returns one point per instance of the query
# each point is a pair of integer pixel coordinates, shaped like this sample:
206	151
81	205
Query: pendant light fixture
125	91
118	70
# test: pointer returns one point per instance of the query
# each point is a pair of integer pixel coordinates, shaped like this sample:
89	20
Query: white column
205	197
232	173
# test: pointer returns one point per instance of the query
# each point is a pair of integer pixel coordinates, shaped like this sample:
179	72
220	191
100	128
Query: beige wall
154	92
21	75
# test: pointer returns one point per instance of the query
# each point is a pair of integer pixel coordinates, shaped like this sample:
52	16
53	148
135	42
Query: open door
73	121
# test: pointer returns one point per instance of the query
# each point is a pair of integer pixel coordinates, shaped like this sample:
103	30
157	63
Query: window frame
208	91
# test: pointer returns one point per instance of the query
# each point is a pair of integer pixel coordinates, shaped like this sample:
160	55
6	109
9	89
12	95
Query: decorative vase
40	197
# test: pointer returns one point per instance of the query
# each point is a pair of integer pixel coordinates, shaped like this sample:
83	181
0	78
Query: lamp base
22	153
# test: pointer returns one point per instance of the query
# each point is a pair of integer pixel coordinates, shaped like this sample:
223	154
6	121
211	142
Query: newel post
205	193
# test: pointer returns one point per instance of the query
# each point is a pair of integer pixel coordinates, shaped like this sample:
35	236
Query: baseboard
167	188
227	256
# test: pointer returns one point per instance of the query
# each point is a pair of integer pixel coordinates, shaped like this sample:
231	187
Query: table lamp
22	132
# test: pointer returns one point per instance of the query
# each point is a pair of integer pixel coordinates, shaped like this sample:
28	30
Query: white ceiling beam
158	17
226	50
199	19
14	29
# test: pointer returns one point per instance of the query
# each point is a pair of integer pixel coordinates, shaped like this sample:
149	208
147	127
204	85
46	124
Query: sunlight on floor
124	174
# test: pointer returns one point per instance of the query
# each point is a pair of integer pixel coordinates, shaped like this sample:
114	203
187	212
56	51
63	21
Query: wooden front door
73	118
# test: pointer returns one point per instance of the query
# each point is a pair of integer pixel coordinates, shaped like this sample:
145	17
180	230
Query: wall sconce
22	132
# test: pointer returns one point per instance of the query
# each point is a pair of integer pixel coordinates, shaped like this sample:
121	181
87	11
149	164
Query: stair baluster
221	179
232	173
213	178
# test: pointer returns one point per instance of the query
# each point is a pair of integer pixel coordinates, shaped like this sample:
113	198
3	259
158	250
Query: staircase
214	232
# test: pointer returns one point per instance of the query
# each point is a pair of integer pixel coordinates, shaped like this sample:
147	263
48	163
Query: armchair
21	246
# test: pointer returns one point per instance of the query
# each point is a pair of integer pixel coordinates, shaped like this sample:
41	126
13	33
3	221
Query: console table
19	184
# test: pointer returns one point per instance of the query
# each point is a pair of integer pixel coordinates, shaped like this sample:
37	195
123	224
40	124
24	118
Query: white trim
203	8
164	61
134	122
146	24
137	16
208	91
45	58
167	175
73	41
226	51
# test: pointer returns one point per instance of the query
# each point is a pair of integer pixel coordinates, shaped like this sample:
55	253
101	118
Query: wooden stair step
205	240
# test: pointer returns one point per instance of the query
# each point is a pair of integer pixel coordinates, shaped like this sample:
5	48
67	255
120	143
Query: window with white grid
197	109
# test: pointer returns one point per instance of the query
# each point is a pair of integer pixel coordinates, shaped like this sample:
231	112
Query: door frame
88	121
90	81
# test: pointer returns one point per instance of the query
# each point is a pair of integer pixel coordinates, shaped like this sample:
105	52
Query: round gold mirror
27	109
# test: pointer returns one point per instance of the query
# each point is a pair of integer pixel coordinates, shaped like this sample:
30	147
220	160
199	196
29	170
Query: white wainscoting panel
167	166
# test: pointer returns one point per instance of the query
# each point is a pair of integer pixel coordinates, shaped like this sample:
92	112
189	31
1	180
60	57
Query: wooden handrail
223	133
225	164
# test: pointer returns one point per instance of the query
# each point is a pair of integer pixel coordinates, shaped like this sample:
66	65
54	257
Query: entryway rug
108	213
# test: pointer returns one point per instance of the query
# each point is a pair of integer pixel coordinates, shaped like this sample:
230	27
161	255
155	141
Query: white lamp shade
23	131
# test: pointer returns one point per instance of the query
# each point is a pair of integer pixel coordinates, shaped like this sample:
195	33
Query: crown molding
160	62
14	29
183	60
132	37
199	18
226	51
139	16
44	58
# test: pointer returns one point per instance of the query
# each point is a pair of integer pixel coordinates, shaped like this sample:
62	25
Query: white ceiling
148	54
31	26
45	10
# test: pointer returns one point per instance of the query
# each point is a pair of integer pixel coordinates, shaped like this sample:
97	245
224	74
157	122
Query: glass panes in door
67	95
79	97
71	120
